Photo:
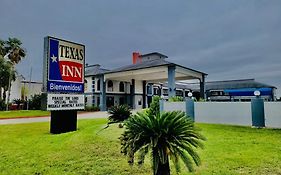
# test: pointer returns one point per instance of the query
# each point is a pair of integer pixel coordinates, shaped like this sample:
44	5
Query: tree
35	102
154	108
118	114
170	135
5	72
12	48
2	48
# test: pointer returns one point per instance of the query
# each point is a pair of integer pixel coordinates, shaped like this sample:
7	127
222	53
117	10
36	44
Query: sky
227	39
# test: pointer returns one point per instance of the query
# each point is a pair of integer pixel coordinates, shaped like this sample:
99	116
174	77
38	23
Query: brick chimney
136	57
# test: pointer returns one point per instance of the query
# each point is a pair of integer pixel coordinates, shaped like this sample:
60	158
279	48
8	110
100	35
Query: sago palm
167	136
119	113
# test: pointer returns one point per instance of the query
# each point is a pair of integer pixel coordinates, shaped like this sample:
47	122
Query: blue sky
228	39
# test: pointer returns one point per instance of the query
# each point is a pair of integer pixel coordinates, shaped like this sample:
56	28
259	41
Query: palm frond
169	134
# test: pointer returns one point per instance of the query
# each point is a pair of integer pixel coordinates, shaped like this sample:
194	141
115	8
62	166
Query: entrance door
149	100
109	102
121	100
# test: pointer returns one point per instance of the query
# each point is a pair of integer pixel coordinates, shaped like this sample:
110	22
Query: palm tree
6	74
2	48
170	135
118	114
13	46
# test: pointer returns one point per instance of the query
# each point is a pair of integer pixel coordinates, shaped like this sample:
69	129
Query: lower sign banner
65	102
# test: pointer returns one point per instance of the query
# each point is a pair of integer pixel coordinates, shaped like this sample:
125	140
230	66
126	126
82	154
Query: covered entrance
154	69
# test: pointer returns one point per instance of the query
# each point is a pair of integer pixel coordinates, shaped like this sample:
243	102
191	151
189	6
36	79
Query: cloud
227	39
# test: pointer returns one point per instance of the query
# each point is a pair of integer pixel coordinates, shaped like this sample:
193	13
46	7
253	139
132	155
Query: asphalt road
88	115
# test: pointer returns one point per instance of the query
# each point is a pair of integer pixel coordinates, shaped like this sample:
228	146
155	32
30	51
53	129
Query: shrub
176	99
154	108
35	102
168	136
2	105
119	113
19	102
199	100
92	108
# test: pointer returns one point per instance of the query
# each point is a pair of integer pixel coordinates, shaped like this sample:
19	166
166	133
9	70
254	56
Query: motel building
135	84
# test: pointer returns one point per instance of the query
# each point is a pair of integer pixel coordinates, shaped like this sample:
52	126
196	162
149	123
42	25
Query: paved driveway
88	115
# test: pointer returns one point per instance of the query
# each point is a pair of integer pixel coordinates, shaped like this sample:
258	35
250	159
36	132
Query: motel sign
63	74
65	71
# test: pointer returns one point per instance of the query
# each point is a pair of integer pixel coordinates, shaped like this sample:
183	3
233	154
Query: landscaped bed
30	149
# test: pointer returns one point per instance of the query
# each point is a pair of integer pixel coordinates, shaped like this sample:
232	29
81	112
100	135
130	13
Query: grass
23	113
30	149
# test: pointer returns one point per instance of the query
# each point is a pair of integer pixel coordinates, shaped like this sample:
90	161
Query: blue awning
248	91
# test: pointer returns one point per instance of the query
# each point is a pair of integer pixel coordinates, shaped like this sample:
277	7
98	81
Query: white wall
15	92
234	113
89	100
174	106
88	86
272	111
34	88
138	87
137	99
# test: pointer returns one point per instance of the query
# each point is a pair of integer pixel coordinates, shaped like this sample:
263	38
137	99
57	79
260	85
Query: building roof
95	69
148	64
236	84
154	53
229	84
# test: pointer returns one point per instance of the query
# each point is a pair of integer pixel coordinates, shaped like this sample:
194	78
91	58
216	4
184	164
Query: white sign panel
65	102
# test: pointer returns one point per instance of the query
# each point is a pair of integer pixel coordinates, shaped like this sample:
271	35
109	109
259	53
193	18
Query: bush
176	99
2	105
199	100
20	103
92	108
168	136
35	102
154	108
119	113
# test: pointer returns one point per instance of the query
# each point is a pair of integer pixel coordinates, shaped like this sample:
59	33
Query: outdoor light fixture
257	93
189	94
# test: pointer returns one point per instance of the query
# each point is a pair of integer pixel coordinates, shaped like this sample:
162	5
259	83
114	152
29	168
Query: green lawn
30	149
23	113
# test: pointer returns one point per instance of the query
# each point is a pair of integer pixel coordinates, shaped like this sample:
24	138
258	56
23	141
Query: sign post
63	83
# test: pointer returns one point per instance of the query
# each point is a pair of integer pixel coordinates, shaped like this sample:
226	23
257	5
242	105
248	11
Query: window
98	84
215	93
149	89
98	101
93	100
93	84
179	93
165	92
121	87
110	86
155	91
121	100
